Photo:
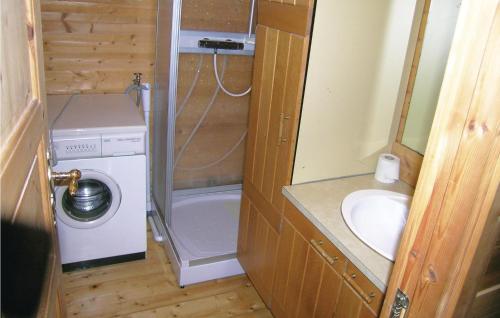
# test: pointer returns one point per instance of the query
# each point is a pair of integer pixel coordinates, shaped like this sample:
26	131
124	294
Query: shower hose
209	106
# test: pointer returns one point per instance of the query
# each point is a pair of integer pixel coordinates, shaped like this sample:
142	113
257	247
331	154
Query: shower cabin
204	58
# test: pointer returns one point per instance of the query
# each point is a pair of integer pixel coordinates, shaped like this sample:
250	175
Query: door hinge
400	305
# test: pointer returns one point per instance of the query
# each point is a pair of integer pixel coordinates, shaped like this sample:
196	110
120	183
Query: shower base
203	237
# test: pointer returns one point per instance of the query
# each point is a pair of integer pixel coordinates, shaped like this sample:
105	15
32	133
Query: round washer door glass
95	202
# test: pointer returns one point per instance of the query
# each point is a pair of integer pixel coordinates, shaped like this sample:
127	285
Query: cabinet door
350	302
306	285
257	247
290	269
278	79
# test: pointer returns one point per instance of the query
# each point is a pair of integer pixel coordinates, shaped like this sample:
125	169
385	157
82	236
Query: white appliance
104	137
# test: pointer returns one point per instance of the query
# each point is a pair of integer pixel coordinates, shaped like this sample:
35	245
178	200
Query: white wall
357	56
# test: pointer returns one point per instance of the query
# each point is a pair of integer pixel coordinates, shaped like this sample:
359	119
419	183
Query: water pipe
146	107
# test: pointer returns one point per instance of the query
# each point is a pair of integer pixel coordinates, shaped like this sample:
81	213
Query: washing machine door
97	200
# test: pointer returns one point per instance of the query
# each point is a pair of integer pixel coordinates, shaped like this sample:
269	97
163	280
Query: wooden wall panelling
223	127
94	46
216	15
460	172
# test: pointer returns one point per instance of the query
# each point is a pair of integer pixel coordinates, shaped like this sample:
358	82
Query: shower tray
204	233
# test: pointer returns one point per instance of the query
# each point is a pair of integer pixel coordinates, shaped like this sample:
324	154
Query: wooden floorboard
148	288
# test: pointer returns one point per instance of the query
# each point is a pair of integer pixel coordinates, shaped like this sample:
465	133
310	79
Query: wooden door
29	242
283	30
460	172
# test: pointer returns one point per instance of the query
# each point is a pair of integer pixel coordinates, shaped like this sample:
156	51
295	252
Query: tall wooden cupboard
283	32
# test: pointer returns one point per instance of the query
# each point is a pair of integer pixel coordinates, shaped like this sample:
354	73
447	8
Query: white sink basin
377	217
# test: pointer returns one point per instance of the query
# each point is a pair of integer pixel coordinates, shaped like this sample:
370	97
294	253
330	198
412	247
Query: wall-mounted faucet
138	87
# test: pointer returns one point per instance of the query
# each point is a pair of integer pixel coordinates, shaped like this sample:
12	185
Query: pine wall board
95	46
216	15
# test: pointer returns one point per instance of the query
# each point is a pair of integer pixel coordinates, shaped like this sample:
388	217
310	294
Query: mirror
431	57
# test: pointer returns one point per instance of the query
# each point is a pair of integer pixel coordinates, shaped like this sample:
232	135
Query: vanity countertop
320	203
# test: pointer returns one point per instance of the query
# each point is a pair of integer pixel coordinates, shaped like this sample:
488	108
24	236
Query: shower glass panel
165	94
210	126
200	132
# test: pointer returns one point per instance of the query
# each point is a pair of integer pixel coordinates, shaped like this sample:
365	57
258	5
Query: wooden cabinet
314	279
279	71
369	294
351	305
307	282
257	246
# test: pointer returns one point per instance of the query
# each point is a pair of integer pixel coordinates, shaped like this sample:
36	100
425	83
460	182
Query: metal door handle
317	246
67	178
283	117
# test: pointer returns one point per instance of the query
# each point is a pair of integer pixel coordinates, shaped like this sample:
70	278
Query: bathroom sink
378	218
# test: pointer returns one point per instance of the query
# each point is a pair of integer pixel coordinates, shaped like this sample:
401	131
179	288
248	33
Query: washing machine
103	136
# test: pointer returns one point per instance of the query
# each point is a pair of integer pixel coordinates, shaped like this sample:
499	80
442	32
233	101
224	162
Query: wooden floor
148	288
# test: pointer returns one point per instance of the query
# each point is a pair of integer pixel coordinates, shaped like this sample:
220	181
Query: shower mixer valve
220	44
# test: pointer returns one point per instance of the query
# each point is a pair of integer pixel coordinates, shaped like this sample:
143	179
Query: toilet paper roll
387	168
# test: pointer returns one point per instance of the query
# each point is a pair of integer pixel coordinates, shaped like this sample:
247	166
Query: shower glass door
210	125
167	35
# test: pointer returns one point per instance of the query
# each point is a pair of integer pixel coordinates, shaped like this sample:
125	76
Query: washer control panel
95	146
123	144
79	147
